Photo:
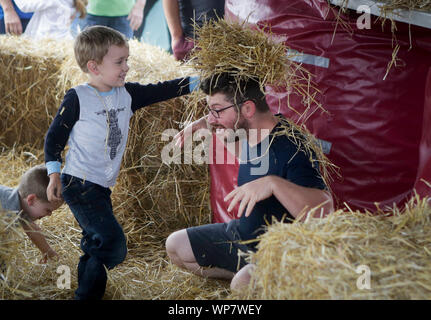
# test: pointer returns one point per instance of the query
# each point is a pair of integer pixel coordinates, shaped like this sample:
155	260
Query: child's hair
34	181
93	44
236	90
80	6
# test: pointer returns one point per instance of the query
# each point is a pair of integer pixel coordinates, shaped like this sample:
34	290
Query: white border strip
300	57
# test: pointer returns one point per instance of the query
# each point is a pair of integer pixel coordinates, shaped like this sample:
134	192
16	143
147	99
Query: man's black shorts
217	245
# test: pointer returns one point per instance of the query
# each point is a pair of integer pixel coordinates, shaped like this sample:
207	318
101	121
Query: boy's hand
48	255
188	131
53	191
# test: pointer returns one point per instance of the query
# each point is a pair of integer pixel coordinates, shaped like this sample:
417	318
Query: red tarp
378	129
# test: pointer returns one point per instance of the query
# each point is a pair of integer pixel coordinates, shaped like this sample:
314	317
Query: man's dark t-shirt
275	155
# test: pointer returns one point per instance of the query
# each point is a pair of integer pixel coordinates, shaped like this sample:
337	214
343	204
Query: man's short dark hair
236	90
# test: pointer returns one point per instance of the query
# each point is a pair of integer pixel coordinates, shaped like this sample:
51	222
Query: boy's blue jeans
103	241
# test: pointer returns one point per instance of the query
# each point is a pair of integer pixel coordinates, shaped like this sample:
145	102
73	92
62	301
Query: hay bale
10	235
28	93
319	259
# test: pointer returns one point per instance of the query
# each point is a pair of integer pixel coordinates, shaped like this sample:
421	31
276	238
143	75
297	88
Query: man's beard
240	131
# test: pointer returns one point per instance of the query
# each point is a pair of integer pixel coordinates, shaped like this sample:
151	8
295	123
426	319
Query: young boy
29	200
94	117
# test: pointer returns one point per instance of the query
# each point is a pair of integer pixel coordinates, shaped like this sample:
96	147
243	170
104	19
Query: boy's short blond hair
93	44
34	181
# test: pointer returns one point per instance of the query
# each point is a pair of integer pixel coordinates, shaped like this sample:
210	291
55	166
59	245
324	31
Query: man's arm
180	46
136	15
12	22
296	199
172	14
36	236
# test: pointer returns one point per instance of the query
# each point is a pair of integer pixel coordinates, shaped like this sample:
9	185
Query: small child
51	18
29	200
94	119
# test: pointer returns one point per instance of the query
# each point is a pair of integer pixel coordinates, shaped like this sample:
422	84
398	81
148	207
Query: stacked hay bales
347	255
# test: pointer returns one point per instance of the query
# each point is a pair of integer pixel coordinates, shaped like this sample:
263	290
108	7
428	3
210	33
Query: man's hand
249	194
53	192
12	22
188	131
181	47
136	15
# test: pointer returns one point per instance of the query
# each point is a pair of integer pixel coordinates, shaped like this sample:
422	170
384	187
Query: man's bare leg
242	277
180	252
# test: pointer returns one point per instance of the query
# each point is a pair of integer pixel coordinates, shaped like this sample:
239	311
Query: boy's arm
36	236
56	139
145	95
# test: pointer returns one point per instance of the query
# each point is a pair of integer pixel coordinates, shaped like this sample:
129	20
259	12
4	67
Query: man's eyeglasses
216	113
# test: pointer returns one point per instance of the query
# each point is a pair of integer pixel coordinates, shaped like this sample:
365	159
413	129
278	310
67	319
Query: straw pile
146	273
247	53
322	258
10	236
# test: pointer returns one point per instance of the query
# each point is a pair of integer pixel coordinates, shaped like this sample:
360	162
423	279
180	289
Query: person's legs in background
155	29
122	25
